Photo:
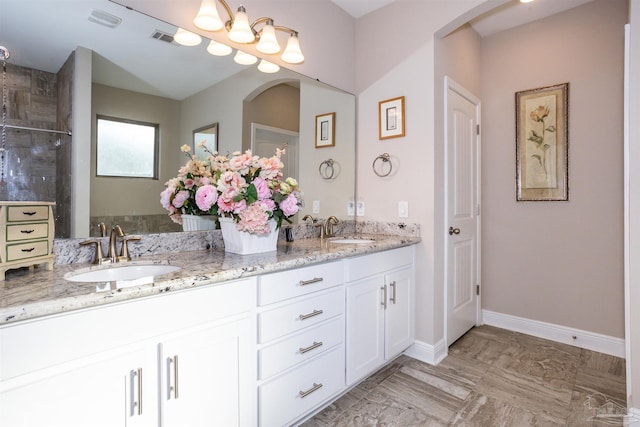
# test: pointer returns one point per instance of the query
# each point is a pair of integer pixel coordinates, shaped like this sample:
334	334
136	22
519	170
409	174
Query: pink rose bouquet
247	188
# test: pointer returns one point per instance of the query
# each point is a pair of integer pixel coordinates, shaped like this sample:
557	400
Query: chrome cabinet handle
136	383
315	387
172	388
453	231
384	296
393	292
310	281
311	347
312	314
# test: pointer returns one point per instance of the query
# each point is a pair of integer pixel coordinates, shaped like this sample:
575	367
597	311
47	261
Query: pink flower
289	205
269	204
262	188
206	196
180	198
225	205
188	183
165	198
254	219
270	168
239	206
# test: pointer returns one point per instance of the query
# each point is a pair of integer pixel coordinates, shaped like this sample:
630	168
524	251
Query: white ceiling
510	15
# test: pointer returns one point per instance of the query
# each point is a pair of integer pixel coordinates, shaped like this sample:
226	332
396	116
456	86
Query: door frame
450	84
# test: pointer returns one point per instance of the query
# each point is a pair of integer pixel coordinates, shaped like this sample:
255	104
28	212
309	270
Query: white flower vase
243	243
198	222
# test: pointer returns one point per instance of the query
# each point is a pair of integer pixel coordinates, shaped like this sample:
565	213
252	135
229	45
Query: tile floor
492	377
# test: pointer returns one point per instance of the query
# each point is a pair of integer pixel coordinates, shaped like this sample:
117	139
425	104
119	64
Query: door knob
453	231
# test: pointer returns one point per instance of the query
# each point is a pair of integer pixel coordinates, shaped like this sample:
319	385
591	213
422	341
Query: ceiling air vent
103	18
162	36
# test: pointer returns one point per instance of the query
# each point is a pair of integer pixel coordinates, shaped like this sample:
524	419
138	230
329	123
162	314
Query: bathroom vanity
266	339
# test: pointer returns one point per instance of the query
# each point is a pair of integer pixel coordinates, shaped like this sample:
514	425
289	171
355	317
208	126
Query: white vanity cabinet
184	358
301	331
380	310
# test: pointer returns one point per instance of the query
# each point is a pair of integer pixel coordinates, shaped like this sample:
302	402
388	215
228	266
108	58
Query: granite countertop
31	293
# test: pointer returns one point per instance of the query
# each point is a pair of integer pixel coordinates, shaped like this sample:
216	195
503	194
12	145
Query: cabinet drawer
27	213
377	263
27	250
282	401
27	231
312	342
299	315
292	283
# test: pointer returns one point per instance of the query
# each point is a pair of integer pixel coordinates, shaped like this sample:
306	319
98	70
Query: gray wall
557	262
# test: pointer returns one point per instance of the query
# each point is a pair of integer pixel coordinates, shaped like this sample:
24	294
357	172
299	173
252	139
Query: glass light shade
187	38
218	49
241	32
268	42
526	1
244	58
268	67
207	17
292	53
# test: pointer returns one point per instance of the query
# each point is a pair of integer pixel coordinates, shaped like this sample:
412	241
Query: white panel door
463	209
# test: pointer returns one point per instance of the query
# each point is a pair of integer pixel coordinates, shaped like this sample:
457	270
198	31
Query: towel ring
328	171
385	159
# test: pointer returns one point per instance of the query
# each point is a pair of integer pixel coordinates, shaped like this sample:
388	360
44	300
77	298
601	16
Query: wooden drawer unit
286	398
26	235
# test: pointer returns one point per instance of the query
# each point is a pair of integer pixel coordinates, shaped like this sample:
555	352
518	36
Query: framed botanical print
391	118
542	160
325	130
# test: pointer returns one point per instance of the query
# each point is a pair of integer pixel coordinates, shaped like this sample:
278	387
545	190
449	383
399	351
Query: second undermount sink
351	241
117	273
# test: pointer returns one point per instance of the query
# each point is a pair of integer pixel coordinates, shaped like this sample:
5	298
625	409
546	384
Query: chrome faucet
328	226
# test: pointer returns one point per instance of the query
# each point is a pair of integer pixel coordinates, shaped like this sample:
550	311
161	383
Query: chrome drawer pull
384	296
393	294
311	281
311	347
315	387
136	383
314	313
27	231
29	213
27	250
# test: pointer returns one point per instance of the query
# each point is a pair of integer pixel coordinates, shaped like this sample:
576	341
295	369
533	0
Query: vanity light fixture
187	38
218	49
268	67
244	58
526	1
241	31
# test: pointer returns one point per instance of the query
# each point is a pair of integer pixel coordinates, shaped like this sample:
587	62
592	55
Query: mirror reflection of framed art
206	136
325	130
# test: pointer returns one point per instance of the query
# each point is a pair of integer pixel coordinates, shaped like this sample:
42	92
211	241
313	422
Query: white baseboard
577	337
431	354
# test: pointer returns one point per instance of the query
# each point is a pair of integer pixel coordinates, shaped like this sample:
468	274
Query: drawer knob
315	387
310	315
311	347
310	281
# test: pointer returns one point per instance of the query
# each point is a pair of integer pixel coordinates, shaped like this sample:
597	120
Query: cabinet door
399	315
365	323
104	392
208	376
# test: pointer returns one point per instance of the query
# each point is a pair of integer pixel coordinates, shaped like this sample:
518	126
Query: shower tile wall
30	157
63	151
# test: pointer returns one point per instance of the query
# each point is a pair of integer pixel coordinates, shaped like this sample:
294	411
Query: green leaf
551	128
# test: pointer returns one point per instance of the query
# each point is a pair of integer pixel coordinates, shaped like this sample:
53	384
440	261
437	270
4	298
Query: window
127	148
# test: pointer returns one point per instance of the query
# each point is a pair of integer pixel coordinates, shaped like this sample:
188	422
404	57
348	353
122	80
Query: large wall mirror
138	73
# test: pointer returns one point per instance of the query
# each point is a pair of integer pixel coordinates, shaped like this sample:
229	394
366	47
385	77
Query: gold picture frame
391	118
542	142
325	130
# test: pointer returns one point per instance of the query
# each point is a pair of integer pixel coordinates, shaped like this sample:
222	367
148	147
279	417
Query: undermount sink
118	273
351	241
